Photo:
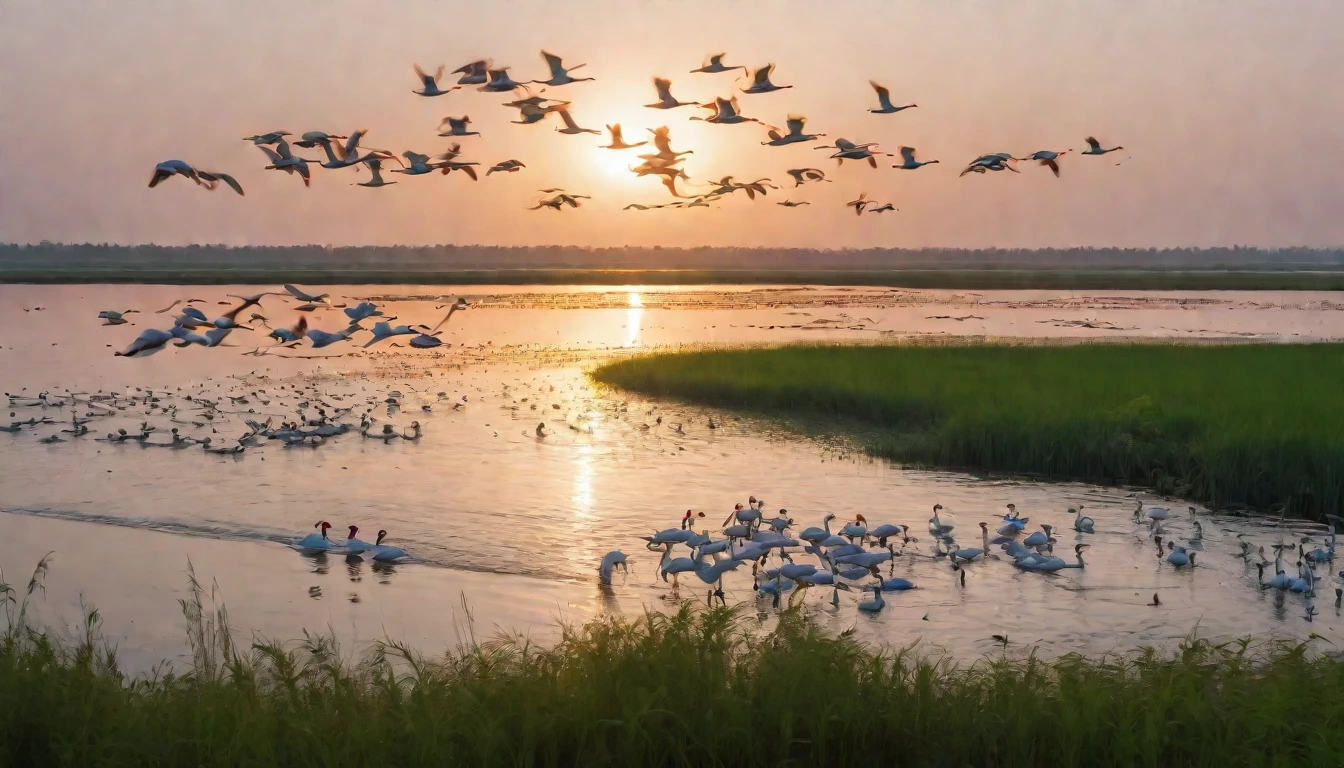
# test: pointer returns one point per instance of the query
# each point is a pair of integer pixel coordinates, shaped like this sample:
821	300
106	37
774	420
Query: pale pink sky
1230	109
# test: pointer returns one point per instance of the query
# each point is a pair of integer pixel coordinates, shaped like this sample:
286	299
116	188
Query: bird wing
211	176
554	62
664	88
763	75
270	153
159	175
1093	143
1052	165
352	143
844	145
908	154
568	118
795	123
282	148
616	134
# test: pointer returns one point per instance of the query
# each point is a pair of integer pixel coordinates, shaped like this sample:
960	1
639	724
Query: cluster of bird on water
183	333
852	556
318	417
345	151
353	548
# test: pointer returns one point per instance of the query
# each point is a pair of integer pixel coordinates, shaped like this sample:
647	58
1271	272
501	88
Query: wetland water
514	524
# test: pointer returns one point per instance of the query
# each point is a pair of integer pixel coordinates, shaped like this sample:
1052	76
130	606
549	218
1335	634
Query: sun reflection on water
634	318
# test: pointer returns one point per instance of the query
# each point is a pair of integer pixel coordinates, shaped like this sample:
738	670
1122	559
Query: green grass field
1259	425
701	687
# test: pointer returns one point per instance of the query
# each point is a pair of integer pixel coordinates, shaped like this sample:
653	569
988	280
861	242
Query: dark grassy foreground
1260	425
696	688
954	279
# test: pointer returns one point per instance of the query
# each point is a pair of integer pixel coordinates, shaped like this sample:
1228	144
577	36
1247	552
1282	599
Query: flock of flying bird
183	332
345	151
853	556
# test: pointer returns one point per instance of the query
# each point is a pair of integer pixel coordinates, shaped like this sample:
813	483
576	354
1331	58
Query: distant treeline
58	258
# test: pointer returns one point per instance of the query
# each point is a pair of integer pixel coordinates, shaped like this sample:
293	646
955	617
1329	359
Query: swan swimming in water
316	542
353	545
385	554
1082	523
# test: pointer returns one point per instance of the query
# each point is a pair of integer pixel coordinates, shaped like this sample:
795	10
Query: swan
1303	584
559	72
714	64
1080	523
670	536
1094	147
966	555
1047	158
609	563
936	526
877	603
676	565
711	573
885	107
385	554
1179	557
355	546
843	550
795	135
864	559
1319	555
760	81
316	542
665	98
1040	538
430	83
908	161
856	530
886	531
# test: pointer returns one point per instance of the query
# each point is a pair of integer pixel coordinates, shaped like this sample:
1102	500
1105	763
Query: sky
1230	112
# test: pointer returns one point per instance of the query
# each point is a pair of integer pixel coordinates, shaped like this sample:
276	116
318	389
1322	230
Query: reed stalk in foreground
1256	424
699	687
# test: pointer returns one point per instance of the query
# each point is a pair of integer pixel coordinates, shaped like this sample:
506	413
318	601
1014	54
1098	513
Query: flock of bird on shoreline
852	557
345	151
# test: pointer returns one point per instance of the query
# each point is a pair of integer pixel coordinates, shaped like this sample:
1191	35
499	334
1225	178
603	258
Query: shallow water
517	523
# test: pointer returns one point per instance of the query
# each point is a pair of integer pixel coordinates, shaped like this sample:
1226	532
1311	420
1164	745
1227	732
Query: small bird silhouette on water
1156	600
1000	639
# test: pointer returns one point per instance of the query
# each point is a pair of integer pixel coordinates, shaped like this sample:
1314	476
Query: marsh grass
1258	425
697	687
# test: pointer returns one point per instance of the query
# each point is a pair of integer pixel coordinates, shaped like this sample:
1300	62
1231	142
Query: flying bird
500	82
617	140
1094	147
559	73
430	82
726	112
885	107
803	175
208	179
760	82
571	127
267	138
457	126
908	161
1048	158
475	73
859	204
507	166
792	204
665	98
375	167
795	135
282	159
714	64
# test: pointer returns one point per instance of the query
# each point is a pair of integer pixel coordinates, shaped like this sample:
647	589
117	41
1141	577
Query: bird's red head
689	514
737	507
323	524
861	518
354	529
752	499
